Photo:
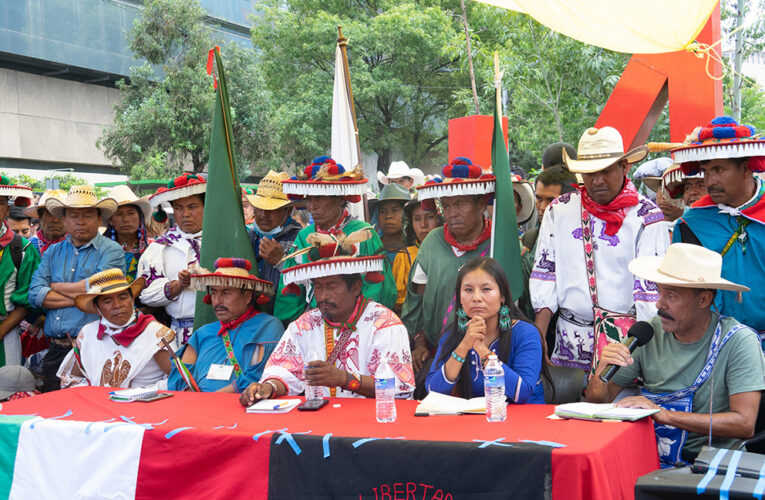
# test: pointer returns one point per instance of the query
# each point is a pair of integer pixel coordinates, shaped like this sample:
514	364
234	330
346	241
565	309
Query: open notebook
594	411
273	406
436	403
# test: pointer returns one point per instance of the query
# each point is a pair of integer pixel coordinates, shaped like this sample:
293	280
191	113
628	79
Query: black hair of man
558	176
350	279
17	215
95	299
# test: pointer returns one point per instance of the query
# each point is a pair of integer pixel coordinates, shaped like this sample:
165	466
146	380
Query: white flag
344	148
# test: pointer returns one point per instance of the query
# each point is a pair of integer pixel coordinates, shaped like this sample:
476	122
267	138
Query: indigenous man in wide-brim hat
692	350
327	188
586	239
731	218
128	226
230	354
675	191
464	191
123	348
273	230
51	227
66	267
165	263
18	260
345	338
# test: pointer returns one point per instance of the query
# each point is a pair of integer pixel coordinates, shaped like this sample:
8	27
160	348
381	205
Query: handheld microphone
639	334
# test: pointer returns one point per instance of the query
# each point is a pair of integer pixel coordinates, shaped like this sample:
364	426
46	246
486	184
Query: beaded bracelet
458	357
352	382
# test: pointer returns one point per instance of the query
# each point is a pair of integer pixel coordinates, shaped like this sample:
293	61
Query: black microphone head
642	331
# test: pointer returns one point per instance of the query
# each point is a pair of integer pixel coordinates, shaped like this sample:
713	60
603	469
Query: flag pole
342	42
498	86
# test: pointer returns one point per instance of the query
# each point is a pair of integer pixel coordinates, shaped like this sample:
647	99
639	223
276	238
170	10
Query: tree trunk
470	58
737	62
383	161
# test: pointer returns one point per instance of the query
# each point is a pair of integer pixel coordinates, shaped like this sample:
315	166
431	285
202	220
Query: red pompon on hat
353	198
22	202
262	299
207	299
757	164
291	289
374	277
224	262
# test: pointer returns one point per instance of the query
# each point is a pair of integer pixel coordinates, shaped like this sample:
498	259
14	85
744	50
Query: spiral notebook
138	394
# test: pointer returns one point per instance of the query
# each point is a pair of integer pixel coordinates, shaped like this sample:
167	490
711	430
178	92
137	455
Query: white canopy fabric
631	26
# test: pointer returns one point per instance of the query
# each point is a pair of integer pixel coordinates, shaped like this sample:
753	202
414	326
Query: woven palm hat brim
589	164
85	301
177	193
652	183
34	212
107	206
715	150
267	203
455	187
333	266
325	188
234	277
16	192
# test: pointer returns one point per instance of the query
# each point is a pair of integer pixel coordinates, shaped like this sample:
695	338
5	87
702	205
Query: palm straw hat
181	187
22	194
105	283
325	177
232	272
81	197
685	265
270	195
123	195
34	212
459	178
399	169
599	148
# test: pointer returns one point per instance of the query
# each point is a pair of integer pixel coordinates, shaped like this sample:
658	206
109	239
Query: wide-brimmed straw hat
672	180
81	197
34	211
325	177
685	265
399	169
599	148
270	195
181	187
22	194
123	195
722	138
526	194
106	283
459	178
232	272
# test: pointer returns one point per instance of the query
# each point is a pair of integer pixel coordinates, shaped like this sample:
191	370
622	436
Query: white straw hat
599	148
123	195
399	169
685	265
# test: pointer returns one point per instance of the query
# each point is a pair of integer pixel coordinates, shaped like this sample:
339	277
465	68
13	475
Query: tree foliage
163	120
402	77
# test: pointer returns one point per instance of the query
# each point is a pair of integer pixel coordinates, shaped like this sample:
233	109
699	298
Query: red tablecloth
600	460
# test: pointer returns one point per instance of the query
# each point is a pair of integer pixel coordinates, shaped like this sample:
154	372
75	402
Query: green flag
506	247
224	233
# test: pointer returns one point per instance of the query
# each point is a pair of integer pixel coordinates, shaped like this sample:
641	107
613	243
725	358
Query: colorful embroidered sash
333	349
608	326
670	440
223	332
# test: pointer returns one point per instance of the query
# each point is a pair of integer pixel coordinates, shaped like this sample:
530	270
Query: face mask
111	326
271	233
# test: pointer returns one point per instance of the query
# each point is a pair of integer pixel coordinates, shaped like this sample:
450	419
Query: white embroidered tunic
559	278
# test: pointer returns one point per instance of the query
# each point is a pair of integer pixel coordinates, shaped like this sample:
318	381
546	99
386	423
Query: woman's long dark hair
493	269
410	237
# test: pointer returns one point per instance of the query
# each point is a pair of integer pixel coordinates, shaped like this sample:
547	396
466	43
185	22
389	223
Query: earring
462	319
504	317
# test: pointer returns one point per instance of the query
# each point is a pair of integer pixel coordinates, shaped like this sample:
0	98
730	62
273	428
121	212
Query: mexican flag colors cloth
51	458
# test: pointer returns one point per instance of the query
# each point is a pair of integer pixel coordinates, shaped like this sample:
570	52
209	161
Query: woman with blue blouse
487	321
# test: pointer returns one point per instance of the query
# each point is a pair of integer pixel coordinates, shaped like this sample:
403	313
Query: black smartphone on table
312	404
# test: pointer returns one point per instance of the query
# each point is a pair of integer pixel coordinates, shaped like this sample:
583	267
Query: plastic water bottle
312	392
385	393
494	390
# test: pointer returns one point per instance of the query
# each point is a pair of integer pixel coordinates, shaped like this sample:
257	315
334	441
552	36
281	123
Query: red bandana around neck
485	235
129	334
234	323
45	243
615	211
337	228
